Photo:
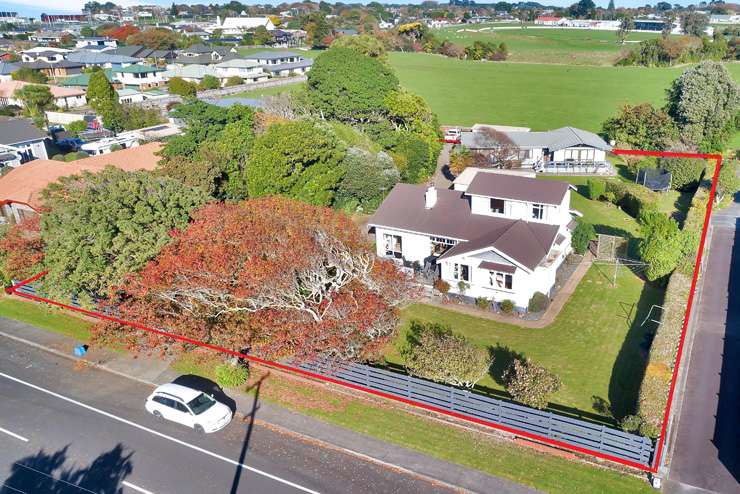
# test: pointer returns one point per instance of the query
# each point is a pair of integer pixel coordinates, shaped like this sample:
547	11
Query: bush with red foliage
121	32
21	250
277	276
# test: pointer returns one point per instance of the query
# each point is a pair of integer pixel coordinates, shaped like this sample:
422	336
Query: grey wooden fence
568	430
574	432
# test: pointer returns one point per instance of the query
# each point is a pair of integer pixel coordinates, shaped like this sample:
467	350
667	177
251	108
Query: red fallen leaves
22	249
277	276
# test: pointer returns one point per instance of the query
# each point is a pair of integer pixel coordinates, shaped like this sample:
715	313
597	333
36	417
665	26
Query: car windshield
201	403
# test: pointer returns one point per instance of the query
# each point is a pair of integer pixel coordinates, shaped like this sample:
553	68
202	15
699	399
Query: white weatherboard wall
520	210
416	247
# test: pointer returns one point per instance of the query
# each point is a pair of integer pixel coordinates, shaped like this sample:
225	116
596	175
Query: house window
497	206
502	281
440	245
461	272
393	246
538	211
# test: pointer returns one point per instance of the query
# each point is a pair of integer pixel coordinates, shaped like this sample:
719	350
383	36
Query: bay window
501	281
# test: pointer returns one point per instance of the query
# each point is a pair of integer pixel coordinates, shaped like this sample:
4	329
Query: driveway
706	456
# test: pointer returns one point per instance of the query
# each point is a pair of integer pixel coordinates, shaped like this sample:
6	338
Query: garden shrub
582	236
58	157
685	172
538	302
441	286
116	147
483	303
728	181
630	423
507	306
595	188
434	352
632	198
230	375
530	383
234	80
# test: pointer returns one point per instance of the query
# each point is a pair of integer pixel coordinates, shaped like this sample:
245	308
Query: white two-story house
503	238
141	77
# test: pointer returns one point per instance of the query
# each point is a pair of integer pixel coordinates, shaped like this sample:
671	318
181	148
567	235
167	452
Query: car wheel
158	415
199	429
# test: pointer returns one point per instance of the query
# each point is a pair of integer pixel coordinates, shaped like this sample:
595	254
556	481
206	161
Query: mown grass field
539	96
548	45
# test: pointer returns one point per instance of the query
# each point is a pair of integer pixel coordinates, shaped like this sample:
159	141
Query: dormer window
497	206
538	211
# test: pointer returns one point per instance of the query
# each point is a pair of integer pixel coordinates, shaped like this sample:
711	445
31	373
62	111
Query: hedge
630	197
653	397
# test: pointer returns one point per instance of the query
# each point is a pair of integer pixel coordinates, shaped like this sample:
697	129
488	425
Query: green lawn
268	91
539	96
606	217
595	345
49	318
564	46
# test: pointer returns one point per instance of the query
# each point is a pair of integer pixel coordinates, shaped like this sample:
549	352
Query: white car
452	135
188	407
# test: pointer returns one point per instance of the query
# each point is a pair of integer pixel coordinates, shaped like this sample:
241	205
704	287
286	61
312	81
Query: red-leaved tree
273	275
21	249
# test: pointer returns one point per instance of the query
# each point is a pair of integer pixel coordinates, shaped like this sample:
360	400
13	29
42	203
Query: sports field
539	96
548	45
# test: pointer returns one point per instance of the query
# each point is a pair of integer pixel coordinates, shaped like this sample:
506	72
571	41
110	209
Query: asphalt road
706	456
69	431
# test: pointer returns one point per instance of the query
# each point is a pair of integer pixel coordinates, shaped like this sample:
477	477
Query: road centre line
13	434
159	434
136	488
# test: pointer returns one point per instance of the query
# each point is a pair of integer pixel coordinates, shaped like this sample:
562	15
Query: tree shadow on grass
629	366
46	473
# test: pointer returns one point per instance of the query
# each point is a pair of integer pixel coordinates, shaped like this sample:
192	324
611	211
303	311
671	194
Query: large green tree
704	102
662	244
346	85
366	44
367	180
297	159
641	127
100	227
102	97
35	99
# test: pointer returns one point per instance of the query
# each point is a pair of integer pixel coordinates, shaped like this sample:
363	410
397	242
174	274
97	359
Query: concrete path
547	318
153	371
441	177
706	453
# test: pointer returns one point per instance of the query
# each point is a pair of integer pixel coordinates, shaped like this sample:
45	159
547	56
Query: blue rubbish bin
80	350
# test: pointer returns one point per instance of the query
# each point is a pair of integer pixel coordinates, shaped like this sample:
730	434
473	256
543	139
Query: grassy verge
388	423
268	91
48	318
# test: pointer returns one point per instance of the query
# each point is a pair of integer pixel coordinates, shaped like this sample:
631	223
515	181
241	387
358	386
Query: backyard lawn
268	91
48	318
547	45
539	96
596	345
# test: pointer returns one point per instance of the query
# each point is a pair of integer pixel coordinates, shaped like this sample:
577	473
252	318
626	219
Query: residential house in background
20	189
249	70
51	61
143	54
7	69
236	26
200	54
503	238
105	60
142	77
47	37
281	63
82	80
96	43
64	97
564	150
128	95
44	54
21	138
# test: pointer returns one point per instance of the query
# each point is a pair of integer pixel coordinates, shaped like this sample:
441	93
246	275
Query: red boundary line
647	468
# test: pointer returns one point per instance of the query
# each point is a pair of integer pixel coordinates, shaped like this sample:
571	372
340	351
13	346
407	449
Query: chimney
430	197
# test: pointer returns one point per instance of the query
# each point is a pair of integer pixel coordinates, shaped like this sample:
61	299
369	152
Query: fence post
367	375
408	387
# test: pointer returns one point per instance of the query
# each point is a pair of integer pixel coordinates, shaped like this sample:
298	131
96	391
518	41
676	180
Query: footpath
154	371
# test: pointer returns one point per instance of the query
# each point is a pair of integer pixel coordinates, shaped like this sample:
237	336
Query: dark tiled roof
203	59
403	209
62	64
15	130
288	66
494	266
517	188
